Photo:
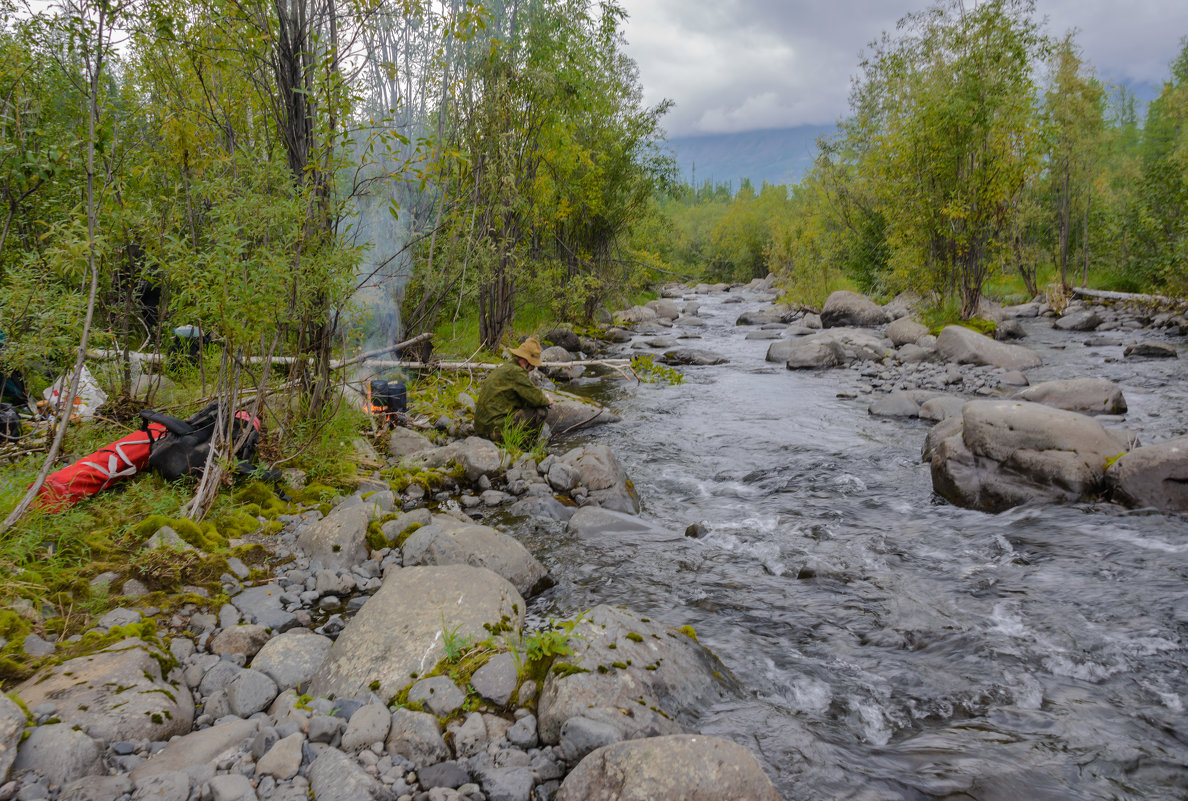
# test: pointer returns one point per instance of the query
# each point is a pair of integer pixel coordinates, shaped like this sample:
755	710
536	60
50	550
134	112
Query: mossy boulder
116	694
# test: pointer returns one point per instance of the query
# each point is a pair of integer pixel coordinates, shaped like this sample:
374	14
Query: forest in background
979	152
315	177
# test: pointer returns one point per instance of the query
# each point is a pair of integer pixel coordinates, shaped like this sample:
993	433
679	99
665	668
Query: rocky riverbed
388	655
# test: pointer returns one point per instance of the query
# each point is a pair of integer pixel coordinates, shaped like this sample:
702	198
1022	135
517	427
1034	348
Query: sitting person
509	394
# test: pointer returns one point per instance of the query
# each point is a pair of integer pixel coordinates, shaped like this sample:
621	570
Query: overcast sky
737	65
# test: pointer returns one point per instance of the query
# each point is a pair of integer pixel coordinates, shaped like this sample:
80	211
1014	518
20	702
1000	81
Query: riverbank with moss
358	633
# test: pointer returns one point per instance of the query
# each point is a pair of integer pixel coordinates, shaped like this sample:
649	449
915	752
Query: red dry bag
91	474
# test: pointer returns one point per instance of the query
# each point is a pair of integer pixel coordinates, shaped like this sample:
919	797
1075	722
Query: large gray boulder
1008	453
339	540
844	308
604	477
1153	476
861	344
575	415
816	356
905	331
59	753
679	767
12	728
441	543
642	678
399	633
781	350
1078	320
115	694
479	457
291	659
962	345
1084	395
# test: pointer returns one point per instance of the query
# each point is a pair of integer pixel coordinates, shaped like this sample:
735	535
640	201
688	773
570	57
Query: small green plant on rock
455	644
648	371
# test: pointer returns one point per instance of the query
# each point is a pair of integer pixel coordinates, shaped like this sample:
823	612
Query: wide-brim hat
529	351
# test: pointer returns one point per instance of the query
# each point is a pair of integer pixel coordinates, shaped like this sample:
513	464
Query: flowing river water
894	646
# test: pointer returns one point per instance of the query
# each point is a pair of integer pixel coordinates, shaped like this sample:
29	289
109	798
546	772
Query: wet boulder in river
844	308
679	767
665	308
1150	350
693	356
759	317
962	345
1084	395
816	356
1007	453
604	478
1078	320
1153	476
575	415
642	678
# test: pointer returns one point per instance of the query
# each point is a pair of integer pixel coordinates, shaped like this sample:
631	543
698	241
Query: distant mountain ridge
777	156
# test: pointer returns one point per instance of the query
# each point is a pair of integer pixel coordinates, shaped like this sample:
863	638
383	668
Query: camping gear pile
167	445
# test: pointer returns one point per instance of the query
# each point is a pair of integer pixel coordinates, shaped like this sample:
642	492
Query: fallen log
1134	297
154	359
460	366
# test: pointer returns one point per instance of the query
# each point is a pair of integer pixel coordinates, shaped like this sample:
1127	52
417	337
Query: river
894	646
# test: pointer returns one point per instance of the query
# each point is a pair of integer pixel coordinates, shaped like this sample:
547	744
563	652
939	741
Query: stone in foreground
399	633
681	767
643	678
115	694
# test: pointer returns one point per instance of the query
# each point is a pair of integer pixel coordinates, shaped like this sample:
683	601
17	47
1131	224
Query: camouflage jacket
507	389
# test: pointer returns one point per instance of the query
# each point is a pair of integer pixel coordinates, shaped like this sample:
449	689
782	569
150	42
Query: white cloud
735	65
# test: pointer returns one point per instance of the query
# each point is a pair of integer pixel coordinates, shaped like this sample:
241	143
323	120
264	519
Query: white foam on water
849	483
1007	619
1149	543
1028	692
1061	665
797	692
871	722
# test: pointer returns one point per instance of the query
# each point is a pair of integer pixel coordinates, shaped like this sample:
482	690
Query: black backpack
184	449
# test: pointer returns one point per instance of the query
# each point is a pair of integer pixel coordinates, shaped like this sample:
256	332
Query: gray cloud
734	65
